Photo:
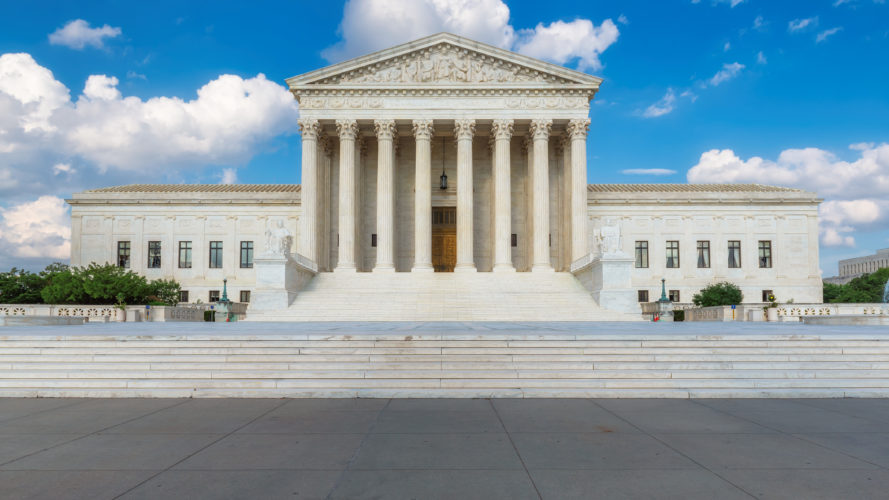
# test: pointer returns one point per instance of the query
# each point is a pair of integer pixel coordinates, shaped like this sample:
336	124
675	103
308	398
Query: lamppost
664	304
224	302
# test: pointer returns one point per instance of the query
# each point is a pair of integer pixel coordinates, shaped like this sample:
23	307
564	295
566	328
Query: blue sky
102	93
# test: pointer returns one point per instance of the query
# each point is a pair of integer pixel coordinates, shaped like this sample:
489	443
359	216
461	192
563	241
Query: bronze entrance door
444	239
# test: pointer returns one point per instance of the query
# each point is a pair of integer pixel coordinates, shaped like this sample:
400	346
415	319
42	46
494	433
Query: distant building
853	268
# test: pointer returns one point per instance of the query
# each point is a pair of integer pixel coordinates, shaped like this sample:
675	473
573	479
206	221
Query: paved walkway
446	328
485	449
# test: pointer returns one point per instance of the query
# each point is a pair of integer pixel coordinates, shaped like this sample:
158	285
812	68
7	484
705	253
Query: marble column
463	131
308	229
501	131
348	131
540	130
423	132
577	132
385	130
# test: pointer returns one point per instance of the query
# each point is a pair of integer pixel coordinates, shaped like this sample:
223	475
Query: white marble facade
510	133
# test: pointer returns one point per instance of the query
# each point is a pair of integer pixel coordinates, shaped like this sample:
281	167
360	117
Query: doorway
444	239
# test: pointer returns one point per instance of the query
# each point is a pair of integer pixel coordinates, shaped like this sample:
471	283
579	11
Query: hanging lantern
444	176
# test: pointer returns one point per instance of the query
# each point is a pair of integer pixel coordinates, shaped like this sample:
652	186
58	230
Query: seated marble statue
278	240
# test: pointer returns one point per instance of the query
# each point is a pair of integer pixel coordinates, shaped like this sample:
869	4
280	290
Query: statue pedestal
608	277
278	280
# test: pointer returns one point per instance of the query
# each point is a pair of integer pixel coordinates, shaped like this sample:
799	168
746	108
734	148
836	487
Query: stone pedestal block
278	280
608	277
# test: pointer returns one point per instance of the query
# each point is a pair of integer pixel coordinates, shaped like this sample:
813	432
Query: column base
542	268
423	268
344	269
504	268
465	268
384	269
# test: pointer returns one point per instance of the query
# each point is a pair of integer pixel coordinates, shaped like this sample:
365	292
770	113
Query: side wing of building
195	234
762	238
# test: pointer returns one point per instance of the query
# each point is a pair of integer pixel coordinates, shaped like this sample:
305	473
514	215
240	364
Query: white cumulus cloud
77	34
856	192
103	131
827	33
664	106
40	228
728	71
648	171
370	25
801	24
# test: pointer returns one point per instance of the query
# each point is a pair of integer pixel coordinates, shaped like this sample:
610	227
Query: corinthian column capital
502	129
541	128
309	128
464	129
423	129
385	129
347	129
577	129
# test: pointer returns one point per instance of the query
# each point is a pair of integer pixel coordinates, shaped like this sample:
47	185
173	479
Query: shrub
719	294
21	287
866	288
164	291
678	315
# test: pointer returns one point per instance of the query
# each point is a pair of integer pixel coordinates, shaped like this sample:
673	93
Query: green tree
104	282
867	288
21	287
64	287
719	294
166	291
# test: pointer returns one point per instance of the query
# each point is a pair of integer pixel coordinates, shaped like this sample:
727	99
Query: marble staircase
444	297
355	364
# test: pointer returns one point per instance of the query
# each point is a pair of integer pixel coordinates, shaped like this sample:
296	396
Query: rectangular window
184	255
643	295
766	294
674	295
183	295
215	255
214	296
641	254
123	254
154	254
765	254
514	240
245	296
247	254
703	254
373	240
734	254
672	255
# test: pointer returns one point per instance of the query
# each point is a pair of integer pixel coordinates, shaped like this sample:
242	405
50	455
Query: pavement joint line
69	405
200	449
699	464
791	435
341	477
91	433
515	449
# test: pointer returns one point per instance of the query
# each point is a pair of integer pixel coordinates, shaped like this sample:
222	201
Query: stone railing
786	312
105	313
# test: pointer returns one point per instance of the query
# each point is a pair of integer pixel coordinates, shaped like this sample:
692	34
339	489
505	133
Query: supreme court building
446	178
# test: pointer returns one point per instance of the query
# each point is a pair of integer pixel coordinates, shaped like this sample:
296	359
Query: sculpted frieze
443	64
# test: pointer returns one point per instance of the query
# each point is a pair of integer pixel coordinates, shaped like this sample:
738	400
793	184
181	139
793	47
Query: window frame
673	293
183	296
213	296
768	248
703	246
124	246
669	250
731	246
215	250
241	296
642	296
641	254
246	246
185	263
154	254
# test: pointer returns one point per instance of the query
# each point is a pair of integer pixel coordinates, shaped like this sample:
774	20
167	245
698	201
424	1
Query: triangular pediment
444	59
